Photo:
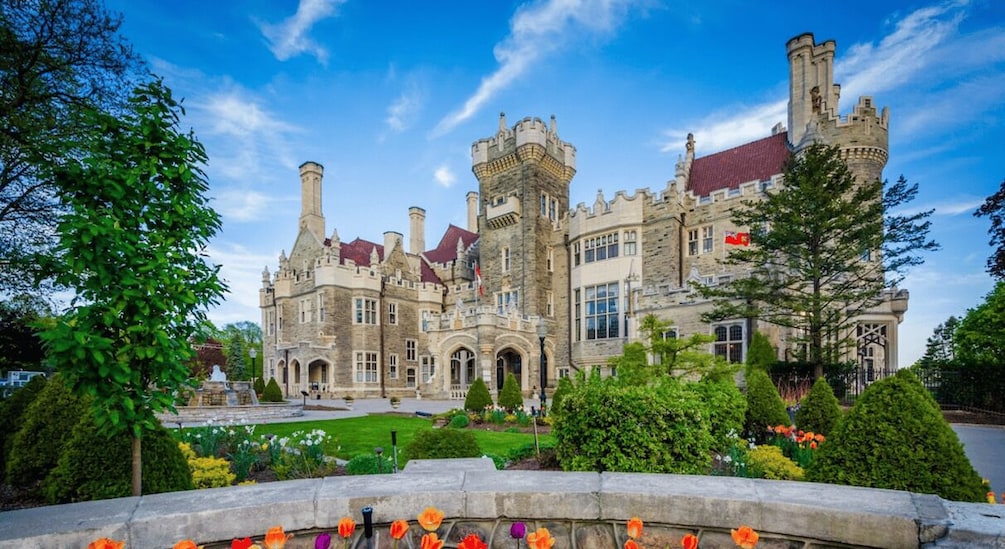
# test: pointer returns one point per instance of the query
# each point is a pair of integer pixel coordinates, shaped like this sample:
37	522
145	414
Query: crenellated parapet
529	141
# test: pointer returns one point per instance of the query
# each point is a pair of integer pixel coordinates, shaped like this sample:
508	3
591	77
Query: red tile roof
754	161
427	274
359	250
446	250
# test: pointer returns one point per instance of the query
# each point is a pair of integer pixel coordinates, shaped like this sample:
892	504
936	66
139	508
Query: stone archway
462	368
319	376
508	361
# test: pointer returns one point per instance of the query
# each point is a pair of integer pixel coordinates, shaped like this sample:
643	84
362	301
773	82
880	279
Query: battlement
529	139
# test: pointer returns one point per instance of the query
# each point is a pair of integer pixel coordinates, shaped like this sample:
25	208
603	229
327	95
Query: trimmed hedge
478	396
510	397
769	462
819	411
47	426
726	409
12	415
895	437
764	406
443	443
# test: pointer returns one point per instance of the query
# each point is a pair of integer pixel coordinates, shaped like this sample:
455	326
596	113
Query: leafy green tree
57	59
824	246
671	356
238	338
131	246
994	209
939	349
979	337
20	346
478	396
510	396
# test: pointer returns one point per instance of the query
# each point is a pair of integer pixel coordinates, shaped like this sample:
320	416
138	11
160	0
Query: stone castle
539	289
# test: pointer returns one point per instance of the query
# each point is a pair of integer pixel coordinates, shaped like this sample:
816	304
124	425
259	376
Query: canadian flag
478	280
737	239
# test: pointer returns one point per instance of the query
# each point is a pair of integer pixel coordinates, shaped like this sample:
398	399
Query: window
505	260
577	331
425	316
544	204
599	248
392	366
410	377
428	368
366	367
271	316
692	242
575	254
321	307
551	260
602	311
411	352
707	241
551	304
305	310
392	313
729	341
631	239
563	372
553	210
366	311
506	301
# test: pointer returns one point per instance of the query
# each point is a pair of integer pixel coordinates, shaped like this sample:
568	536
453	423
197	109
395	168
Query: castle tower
416	230
310	199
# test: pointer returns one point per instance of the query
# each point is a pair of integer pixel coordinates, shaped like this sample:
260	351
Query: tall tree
939	349
823	247
57	59
979	337
131	245
994	208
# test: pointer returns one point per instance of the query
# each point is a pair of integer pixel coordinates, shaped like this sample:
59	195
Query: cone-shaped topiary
764	405
895	437
48	423
478	396
93	466
259	386
819	410
761	354
510	397
272	392
563	388
11	416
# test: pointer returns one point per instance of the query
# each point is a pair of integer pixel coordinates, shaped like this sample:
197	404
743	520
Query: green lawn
360	435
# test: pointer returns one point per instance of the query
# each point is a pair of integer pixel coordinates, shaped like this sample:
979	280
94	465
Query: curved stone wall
583	510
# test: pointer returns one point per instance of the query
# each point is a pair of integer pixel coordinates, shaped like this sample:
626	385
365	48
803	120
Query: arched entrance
462	368
318	375
508	361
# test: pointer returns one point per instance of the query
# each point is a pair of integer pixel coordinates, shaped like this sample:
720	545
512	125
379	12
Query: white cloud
242	271
290	37
241	204
537	30
401	114
717	132
444	176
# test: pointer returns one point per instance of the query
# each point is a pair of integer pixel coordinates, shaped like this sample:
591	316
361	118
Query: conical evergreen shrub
819	410
259	386
478	396
510	397
895	437
272	392
764	405
12	415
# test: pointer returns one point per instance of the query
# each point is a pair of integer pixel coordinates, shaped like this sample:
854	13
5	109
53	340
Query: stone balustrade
582	510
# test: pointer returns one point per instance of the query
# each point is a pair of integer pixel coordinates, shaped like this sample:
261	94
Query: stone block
545	494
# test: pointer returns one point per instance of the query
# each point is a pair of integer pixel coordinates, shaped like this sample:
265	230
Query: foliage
20	346
939	348
12	416
259	386
510	396
236	366
131	246
895	437
994	209
771	464
672	356
443	443
207	472
302	454
46	427
809	238
272	392
761	353
725	407
608	425
561	389
764	406
459	421
57	59
93	466
978	336
238	339
369	464
819	411
478	396
207	354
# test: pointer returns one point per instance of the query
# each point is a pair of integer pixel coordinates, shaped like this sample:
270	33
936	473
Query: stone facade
560	287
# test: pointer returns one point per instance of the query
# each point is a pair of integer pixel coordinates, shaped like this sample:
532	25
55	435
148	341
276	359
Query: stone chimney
416	230
472	211
310	199
391	239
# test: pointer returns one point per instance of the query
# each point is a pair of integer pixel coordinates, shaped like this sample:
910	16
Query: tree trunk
137	467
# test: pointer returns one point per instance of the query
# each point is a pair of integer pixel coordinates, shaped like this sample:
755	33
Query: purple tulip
518	530
323	541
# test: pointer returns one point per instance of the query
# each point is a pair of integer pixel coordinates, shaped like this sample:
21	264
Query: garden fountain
220	400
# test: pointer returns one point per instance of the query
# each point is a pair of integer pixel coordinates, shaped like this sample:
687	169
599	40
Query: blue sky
389	96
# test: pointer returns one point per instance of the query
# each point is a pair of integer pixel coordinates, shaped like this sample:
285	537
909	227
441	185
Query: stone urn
395	403
349	401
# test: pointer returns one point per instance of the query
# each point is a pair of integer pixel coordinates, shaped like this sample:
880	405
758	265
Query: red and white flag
737	239
478	280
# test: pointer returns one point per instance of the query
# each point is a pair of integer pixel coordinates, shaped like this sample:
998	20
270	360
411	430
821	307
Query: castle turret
416	230
310	199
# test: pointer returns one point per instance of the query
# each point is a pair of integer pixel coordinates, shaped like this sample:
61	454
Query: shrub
725	407
12	415
764	406
259	386
654	428
272	392
93	466
562	389
459	421
443	443
761	354
819	411
47	426
369	464
771	464
896	437
510	396
478	396
210	472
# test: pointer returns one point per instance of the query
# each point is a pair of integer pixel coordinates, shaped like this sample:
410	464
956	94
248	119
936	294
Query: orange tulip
689	541
631	544
541	539
635	527
275	538
472	541
813	445
745	537
186	544
430	519
106	543
398	529
346	526
430	541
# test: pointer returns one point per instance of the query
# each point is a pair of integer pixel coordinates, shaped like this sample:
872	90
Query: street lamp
542	332
252	352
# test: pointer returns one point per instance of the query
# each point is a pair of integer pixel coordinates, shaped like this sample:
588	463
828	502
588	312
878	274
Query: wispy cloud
290	37
537	30
444	176
242	270
402	113
720	132
241	204
962	206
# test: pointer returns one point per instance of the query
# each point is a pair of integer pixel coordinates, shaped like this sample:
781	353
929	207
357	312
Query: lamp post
252	352
542	332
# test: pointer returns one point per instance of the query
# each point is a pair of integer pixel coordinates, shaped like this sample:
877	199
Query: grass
360	435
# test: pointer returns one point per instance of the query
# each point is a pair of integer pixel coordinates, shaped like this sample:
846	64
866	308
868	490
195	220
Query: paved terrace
582	510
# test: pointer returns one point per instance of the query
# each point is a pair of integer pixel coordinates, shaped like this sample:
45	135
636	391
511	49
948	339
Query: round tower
311	217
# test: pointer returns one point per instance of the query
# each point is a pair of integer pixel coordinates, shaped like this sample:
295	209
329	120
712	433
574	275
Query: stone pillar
472	197
416	230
